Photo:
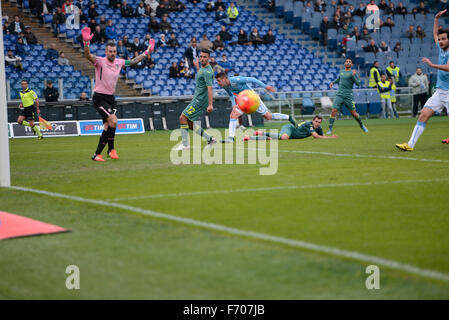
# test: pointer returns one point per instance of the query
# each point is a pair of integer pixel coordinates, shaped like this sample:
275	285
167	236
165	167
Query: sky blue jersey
443	76
238	84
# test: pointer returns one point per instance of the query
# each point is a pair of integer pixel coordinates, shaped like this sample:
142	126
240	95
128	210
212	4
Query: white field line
432	274
356	155
309	186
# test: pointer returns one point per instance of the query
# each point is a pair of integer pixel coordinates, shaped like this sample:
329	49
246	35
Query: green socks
331	123
359	121
34	128
201	132
37	130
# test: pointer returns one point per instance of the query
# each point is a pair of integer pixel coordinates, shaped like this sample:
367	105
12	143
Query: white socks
419	129
232	127
279	116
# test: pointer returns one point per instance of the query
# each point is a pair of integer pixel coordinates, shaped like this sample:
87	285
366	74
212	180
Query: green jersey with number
346	82
204	78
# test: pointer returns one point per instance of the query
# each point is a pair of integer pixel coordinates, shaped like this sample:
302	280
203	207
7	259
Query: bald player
107	71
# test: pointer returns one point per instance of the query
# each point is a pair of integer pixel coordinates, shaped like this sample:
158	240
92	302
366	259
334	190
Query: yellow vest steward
384	95
395	72
28	96
372	81
233	13
393	93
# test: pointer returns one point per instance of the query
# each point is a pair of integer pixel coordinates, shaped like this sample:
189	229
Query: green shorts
286	129
193	112
347	102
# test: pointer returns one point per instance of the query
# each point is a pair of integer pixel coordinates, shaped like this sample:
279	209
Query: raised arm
136	60
435	25
87	36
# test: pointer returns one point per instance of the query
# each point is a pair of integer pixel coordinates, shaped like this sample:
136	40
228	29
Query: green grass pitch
380	203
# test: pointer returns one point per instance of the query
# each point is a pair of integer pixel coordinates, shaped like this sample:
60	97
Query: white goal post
5	174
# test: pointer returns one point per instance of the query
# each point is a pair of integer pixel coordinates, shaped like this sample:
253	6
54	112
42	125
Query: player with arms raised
440	99
107	71
233	86
346	80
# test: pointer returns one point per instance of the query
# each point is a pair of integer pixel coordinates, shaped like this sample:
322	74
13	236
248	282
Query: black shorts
28	113
105	104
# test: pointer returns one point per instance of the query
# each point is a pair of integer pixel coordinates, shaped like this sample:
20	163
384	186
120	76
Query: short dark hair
317	117
391	62
24	80
110	44
347	58
49	82
446	31
221	74
205	51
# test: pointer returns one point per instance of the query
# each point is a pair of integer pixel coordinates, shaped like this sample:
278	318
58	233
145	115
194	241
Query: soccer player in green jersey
29	100
294	131
202	100
346	80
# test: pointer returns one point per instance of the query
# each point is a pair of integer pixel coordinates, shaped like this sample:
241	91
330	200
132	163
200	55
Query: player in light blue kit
440	99
233	86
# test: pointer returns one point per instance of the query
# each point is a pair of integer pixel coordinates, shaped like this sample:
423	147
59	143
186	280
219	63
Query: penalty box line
353	255
262	189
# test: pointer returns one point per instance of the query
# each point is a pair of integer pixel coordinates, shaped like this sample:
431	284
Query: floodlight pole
5	174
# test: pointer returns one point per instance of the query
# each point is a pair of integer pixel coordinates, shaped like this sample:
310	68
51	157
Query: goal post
5	174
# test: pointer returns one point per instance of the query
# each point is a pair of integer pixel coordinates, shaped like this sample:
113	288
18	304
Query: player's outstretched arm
435	25
331	85
142	56
317	136
444	67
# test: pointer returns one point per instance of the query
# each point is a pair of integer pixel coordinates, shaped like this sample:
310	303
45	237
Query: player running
440	99
202	99
233	86
29	99
107	71
294	131
346	79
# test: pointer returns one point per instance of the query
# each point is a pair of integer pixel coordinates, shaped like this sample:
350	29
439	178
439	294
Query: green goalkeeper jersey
304	130
346	83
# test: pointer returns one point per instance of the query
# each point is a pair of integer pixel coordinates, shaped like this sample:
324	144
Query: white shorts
438	101
262	109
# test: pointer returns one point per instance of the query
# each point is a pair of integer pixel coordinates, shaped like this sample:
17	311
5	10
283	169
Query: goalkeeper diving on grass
294	131
233	86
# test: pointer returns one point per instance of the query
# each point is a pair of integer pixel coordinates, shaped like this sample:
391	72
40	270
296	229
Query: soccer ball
248	101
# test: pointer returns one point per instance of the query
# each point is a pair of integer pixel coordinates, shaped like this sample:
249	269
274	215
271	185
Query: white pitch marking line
432	274
310	186
355	155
